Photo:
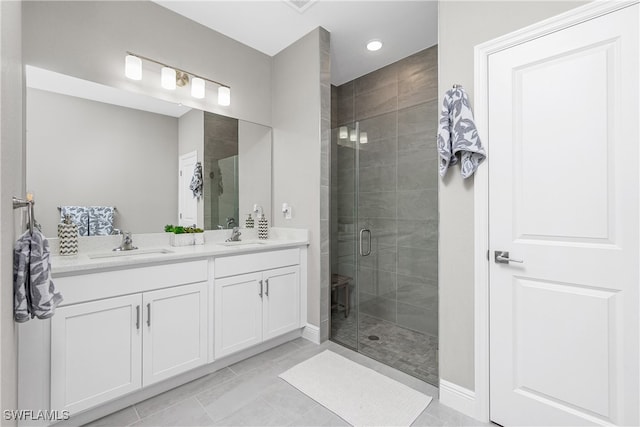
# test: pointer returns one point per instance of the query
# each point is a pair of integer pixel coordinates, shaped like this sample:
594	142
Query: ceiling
405	27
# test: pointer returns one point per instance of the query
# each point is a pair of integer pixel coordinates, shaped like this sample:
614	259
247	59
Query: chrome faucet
230	222
235	235
127	242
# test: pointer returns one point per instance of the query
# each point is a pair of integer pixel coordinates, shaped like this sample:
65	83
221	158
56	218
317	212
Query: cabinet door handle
267	291
149	314
137	317
260	289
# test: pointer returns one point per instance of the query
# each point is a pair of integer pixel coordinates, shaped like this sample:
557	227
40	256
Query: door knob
502	257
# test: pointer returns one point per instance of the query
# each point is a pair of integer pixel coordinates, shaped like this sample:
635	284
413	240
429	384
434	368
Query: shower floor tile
413	352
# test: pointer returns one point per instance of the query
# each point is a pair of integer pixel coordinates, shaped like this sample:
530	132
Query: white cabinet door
238	313
95	352
281	309
175	331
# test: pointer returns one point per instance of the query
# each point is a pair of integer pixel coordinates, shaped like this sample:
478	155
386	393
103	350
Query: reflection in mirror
220	170
92	145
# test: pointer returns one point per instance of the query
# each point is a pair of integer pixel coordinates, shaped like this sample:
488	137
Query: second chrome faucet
127	243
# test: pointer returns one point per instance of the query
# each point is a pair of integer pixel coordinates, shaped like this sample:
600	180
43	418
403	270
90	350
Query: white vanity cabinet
129	330
254	307
96	352
109	347
174	331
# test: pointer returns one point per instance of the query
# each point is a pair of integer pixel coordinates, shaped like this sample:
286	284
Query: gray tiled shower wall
397	107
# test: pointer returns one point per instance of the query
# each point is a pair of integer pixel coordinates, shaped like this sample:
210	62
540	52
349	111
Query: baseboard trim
457	397
311	333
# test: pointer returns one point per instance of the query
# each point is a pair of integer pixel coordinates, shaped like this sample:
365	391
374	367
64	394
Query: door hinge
488	259
181	218
180	173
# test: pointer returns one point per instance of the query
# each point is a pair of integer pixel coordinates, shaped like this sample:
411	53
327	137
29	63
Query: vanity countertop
155	249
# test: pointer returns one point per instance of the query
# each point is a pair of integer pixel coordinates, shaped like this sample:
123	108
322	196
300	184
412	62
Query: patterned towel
457	133
101	220
196	181
34	293
79	216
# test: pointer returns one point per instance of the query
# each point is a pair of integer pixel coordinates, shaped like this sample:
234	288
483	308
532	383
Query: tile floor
409	351
249	393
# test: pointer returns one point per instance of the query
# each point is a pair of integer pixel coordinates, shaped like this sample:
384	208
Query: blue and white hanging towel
457	133
34	293
196	181
79	216
101	220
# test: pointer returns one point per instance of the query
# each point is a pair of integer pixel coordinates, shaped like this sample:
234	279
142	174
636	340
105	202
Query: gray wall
88	153
11	184
397	107
462	25
89	39
296	149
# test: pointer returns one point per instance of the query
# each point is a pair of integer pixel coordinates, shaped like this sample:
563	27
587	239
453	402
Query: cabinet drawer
88	287
248	263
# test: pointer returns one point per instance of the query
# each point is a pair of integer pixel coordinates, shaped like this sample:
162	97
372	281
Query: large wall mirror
90	145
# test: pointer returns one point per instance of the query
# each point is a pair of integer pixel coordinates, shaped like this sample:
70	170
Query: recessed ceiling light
374	45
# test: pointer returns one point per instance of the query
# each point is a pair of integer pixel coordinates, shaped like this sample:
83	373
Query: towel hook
457	86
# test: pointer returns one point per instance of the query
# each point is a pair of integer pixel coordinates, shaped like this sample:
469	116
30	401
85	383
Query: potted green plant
184	236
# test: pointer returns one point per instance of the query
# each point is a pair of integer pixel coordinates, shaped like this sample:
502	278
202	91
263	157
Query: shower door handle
362	252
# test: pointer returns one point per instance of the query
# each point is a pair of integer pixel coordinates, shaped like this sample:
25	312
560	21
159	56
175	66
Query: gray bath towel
457	133
35	295
196	181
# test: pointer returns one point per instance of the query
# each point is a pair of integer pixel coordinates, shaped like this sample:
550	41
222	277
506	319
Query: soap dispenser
249	223
263	224
68	235
263	227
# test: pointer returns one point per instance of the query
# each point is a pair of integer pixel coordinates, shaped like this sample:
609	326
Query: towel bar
114	208
21	203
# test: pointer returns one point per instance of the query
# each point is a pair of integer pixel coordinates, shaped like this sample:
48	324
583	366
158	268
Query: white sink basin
134	252
244	243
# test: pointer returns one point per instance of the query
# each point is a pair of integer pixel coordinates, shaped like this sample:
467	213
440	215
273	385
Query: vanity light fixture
343	132
133	67
172	77
224	95
168	78
197	87
353	137
363	138
373	45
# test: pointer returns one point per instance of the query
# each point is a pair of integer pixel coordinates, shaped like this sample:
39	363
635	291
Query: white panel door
237	313
281	309
188	205
175	331
95	352
564	188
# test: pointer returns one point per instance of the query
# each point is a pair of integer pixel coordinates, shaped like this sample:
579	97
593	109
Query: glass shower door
345	234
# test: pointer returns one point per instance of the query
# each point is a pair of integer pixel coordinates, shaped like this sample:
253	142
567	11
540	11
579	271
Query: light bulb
133	67
352	136
224	95
343	132
168	78
197	87
374	45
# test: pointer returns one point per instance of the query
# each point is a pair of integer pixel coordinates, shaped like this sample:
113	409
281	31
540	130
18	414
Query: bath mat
357	394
